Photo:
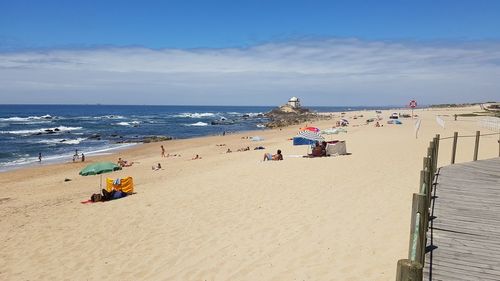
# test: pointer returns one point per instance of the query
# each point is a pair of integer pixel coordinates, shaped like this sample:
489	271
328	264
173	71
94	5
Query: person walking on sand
83	157
162	151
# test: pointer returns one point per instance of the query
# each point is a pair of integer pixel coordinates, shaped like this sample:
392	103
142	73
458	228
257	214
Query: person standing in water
39	157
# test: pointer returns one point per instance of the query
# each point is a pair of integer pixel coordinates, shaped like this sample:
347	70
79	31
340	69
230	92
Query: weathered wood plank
465	234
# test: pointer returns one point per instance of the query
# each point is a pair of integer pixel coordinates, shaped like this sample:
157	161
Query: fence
411	269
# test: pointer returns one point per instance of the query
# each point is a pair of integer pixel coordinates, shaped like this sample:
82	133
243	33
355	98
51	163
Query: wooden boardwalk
464	236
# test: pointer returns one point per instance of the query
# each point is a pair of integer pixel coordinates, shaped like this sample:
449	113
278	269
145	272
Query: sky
249	52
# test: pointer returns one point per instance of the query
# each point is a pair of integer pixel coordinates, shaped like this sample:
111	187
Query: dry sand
230	216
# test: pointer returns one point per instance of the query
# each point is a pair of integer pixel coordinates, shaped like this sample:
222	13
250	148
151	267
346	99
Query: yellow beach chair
126	185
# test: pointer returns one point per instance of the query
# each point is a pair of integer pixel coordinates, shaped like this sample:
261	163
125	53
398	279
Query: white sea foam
261	125
109	117
27	119
128	123
41	130
63	141
195	115
255	114
198	124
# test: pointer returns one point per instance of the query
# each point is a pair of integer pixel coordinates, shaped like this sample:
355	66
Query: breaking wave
27	119
198	124
63	141
42	130
195	115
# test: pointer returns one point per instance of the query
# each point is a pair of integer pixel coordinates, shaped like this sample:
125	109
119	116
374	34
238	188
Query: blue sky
221	52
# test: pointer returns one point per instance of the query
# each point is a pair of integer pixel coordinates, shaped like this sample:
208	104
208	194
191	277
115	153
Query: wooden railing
411	269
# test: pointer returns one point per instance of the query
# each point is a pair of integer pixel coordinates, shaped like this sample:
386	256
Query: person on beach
39	157
196	157
76	156
83	157
158	167
317	150
162	151
107	196
124	163
276	157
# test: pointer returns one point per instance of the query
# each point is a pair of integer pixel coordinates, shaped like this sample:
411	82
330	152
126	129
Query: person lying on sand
158	167
124	163
196	157
107	196
243	149
276	157
173	155
228	150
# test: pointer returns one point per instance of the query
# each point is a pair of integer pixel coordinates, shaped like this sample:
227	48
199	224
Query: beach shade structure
336	148
302	141
312	136
394	121
309	135
333	131
99	169
312	129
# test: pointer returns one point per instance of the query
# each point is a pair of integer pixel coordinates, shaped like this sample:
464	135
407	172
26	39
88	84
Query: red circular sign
413	103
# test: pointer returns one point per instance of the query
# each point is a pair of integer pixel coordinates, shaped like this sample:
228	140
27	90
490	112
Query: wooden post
419	218
430	152
454	148
409	271
428	184
476	147
423	187
438	136
426	163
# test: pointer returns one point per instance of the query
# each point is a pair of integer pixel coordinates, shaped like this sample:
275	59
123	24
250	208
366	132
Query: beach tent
344	122
125	184
394	121
302	141
333	131
336	148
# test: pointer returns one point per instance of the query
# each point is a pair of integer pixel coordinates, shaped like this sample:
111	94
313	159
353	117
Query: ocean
56	131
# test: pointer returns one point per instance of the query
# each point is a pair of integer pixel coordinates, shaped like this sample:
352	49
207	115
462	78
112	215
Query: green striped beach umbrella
99	169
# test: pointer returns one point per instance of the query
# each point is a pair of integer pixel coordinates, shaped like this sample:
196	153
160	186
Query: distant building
294	102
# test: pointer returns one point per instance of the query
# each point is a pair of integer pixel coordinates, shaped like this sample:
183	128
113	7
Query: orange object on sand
126	185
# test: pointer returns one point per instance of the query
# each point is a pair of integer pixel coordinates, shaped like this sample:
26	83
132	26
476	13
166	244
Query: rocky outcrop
286	116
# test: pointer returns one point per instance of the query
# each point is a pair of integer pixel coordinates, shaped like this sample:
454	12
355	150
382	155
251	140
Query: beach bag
96	197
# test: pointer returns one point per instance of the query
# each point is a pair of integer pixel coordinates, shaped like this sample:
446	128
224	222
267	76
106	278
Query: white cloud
322	72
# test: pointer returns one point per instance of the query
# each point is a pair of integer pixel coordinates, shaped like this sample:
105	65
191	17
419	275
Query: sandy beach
230	216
